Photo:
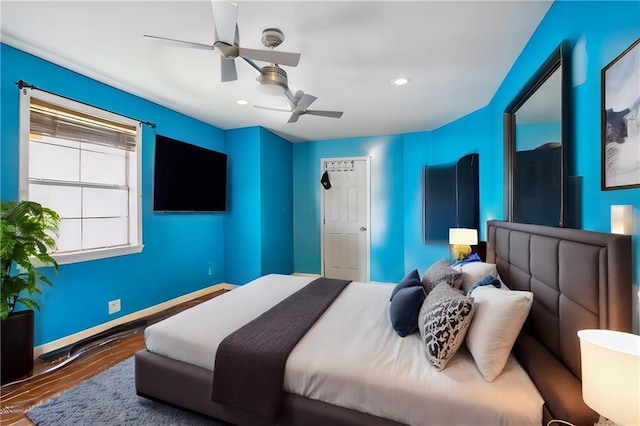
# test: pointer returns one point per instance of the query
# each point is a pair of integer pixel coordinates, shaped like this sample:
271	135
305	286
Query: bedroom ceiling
456	54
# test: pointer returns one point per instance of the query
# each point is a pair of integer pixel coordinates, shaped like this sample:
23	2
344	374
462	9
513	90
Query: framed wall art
621	120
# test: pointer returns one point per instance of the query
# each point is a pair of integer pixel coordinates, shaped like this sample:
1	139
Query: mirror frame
558	59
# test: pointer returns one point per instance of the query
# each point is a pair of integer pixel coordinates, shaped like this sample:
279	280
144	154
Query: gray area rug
110	399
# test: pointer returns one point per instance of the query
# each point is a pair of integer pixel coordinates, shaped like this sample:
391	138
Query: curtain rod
23	84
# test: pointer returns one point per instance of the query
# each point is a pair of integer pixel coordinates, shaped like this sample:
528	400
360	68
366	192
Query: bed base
188	386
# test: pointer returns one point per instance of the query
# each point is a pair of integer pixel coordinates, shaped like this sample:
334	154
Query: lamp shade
621	219
463	236
611	374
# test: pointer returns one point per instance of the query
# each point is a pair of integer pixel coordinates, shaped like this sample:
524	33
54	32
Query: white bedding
353	358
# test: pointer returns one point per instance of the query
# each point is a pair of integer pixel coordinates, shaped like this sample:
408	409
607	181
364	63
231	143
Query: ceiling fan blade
228	69
331	114
294	117
272	56
225	16
272	109
305	101
182	43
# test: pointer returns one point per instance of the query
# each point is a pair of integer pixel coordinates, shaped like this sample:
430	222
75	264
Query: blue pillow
488	280
405	308
410	280
473	257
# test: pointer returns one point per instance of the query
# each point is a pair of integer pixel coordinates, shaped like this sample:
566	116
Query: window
84	163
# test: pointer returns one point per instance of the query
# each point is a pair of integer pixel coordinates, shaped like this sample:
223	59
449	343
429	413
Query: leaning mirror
536	144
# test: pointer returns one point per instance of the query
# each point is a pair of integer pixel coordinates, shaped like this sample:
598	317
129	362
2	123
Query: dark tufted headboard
580	280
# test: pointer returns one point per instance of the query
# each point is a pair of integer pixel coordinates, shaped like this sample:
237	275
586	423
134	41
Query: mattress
353	358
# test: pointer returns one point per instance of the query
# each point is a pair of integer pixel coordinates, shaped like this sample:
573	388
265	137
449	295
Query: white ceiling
456	54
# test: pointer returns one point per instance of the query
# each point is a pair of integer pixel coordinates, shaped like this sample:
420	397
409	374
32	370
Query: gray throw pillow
438	272
443	322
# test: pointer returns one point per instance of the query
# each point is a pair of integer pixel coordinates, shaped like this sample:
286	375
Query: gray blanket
249	366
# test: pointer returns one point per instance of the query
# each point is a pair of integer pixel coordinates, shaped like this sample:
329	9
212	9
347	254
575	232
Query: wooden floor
16	400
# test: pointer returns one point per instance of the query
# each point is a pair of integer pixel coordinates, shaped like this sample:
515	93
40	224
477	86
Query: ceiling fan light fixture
271	89
400	81
273	80
272	37
242	102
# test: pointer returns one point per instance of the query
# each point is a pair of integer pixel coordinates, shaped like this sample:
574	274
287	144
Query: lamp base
461	251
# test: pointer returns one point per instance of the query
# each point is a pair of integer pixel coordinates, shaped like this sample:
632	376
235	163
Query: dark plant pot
17	346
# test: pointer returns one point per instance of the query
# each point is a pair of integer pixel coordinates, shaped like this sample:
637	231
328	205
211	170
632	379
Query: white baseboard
302	274
76	337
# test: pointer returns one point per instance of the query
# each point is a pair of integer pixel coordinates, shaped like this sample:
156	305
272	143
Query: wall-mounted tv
188	178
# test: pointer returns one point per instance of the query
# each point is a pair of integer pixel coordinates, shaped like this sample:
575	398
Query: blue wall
417	154
242	223
178	247
474	133
276	176
259	220
446	145
387	246
597	33
396	192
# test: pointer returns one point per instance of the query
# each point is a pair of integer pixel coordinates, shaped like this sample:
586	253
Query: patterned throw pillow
438	272
443	321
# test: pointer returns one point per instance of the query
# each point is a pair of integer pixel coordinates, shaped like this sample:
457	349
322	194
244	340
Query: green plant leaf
29	303
26	229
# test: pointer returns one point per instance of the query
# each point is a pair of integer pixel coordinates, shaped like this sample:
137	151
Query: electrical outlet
114	306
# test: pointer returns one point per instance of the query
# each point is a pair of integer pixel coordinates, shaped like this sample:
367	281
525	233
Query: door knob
363	228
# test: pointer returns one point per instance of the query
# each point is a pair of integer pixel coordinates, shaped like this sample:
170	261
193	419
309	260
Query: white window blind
83	162
59	122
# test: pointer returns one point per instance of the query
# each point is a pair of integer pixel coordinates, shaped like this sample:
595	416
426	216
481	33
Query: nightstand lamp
462	239
611	375
622	219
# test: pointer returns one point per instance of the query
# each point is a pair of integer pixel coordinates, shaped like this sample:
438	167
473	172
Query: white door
346	219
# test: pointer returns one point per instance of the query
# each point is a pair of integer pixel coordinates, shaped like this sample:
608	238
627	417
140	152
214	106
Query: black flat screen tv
188	178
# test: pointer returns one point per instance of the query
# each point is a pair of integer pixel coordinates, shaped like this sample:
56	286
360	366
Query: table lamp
611	375
462	239
622	219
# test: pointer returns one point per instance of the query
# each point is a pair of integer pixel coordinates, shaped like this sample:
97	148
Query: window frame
135	185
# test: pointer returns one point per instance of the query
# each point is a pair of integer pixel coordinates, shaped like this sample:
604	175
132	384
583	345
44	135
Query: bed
579	280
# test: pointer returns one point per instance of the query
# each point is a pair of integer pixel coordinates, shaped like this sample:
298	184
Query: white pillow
474	271
497	320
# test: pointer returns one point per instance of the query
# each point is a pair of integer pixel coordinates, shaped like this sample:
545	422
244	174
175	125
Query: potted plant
27	230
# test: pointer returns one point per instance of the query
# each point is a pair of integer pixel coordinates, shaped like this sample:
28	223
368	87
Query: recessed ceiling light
241	102
400	81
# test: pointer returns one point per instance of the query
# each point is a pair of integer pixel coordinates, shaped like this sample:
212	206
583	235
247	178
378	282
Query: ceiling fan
299	104
225	16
